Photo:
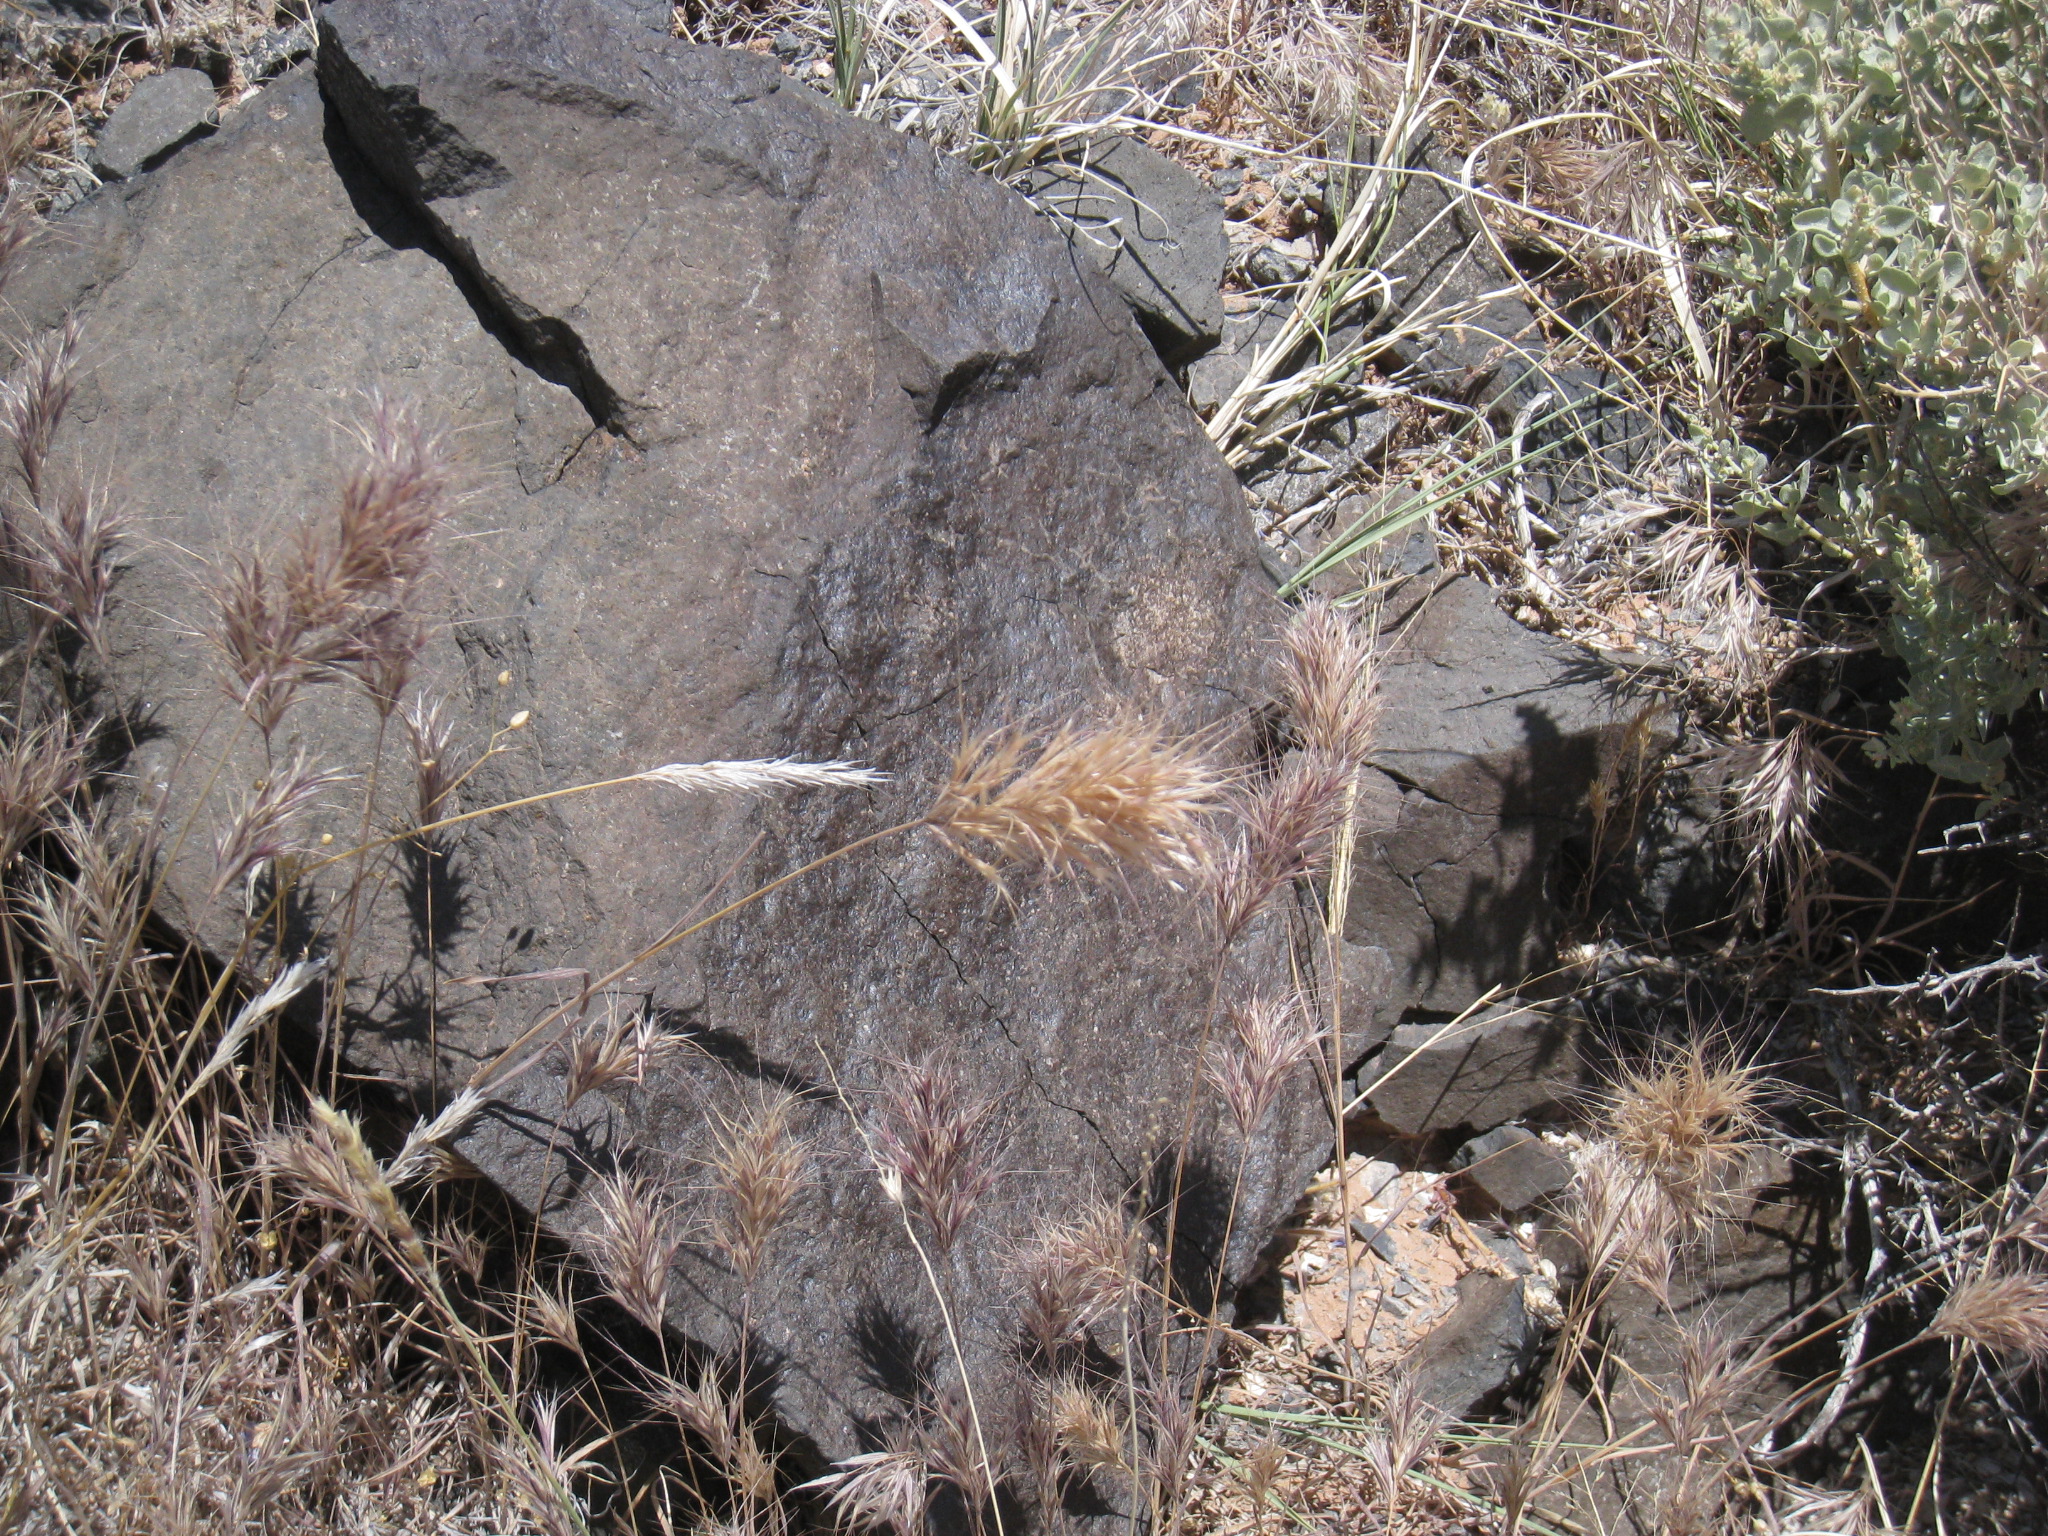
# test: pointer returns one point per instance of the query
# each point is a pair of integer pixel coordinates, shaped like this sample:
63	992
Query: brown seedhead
61	548
1077	1272
615	1048
885	1490
430	736
1619	1216
33	403
952	1446
553	1315
759	1168
1271	1037
1688	1120
263	823
327	1165
1262	1467
424	1154
40	766
719	1418
937	1148
1783	786
1089	1434
632	1246
1329	681
340	602
1283	834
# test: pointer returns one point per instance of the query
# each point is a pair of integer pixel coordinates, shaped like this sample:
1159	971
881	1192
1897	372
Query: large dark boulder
784	437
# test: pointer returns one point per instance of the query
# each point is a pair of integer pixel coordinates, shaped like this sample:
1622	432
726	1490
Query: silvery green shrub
1901	260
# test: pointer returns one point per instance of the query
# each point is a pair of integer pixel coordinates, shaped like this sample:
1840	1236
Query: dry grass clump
167	1369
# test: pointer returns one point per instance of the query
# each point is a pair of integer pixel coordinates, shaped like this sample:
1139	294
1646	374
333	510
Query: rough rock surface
1483	1344
70	10
161	113
1487	1341
786	437
1506	1061
1215	374
1154	228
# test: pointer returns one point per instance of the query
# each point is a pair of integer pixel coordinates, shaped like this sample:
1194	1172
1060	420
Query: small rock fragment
1275	265
1375	1178
1502	1063
1513	1167
1153	228
1376	1237
1213	376
163	112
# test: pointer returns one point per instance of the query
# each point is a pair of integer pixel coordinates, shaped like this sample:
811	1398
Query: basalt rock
783	436
163	112
1502	1062
1153	227
1512	1168
1492	740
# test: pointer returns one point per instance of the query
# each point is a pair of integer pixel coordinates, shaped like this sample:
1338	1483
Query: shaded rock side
785	437
1481	1348
1513	1168
1491	739
1506	1061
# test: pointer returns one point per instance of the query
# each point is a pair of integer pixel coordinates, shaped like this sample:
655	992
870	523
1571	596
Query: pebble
1377	1238
1376	1176
1270	267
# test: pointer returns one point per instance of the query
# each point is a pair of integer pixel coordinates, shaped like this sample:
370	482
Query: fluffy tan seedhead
2004	1312
1080	799
1329	680
1688	1119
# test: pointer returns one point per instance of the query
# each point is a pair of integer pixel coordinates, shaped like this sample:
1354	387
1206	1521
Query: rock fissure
420	159
1025	1058
352	243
